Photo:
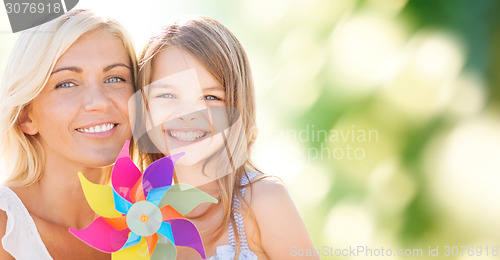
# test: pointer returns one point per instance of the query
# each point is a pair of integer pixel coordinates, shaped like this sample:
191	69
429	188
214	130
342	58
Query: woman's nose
96	97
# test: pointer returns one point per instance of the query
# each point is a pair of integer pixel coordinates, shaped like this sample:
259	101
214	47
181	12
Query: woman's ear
26	123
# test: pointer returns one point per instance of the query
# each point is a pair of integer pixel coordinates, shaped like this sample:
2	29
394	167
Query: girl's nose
192	116
189	111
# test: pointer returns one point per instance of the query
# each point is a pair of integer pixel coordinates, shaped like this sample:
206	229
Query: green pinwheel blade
184	198
164	250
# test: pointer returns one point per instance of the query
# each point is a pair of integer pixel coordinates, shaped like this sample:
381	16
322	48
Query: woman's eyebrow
74	69
110	67
79	70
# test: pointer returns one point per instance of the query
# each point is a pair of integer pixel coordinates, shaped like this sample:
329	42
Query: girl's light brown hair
223	56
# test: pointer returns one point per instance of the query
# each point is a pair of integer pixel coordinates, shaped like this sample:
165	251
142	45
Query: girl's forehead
186	80
176	72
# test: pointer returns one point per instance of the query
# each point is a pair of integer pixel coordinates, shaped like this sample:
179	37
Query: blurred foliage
442	64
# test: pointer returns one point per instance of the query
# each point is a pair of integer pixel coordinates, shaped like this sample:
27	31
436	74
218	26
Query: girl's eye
114	80
66	85
210	97
168	95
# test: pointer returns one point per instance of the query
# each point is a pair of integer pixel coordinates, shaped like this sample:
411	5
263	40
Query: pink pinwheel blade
125	174
159	173
186	234
102	236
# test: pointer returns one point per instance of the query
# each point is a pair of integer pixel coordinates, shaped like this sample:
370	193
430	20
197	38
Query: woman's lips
98	130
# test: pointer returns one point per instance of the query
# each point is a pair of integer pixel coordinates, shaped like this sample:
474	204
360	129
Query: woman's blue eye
210	97
65	85
114	80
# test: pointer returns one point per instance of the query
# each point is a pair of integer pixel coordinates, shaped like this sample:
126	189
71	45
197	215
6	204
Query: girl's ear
25	123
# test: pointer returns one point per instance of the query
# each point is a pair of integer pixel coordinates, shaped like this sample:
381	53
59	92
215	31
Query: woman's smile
98	129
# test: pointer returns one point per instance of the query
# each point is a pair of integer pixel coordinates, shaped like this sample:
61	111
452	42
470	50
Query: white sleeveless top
21	239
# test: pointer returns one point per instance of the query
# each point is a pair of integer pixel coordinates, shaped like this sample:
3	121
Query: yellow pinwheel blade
137	252
99	197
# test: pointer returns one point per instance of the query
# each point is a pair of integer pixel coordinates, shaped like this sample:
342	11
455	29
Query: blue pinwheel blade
166	231
133	239
155	195
121	205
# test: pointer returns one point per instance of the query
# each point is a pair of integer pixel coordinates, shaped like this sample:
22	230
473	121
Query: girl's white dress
226	252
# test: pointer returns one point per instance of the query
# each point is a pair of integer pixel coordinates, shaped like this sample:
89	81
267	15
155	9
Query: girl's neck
197	175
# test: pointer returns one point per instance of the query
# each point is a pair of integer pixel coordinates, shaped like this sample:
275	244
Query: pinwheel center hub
144	218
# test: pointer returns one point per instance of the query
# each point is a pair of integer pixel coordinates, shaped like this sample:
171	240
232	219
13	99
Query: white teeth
187	136
97	128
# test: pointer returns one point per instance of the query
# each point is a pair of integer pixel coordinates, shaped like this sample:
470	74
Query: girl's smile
186	135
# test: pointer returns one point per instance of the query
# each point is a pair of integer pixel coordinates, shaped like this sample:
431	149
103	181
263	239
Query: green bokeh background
415	82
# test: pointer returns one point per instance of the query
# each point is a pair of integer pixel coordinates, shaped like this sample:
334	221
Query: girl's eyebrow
214	88
79	70
161	85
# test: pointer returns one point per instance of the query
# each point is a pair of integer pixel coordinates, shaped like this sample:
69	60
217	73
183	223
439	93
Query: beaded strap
238	218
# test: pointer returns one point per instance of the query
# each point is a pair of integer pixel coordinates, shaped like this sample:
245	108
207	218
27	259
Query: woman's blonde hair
214	46
28	70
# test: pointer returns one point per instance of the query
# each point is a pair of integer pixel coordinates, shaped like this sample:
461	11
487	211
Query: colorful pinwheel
142	215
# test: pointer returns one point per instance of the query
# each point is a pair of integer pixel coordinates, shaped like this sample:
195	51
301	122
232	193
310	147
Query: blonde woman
63	110
197	98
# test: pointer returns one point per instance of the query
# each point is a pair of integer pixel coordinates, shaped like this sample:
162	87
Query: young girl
64	110
197	98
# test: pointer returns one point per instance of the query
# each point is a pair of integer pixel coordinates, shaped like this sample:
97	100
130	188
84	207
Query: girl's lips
185	137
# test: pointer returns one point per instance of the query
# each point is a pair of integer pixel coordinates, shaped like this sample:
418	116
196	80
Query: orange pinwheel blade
118	223
137	192
152	241
168	212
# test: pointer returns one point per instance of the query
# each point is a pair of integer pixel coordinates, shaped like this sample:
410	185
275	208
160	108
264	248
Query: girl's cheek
160	116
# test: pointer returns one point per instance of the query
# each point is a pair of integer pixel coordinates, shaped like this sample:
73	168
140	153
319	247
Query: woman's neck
58	195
